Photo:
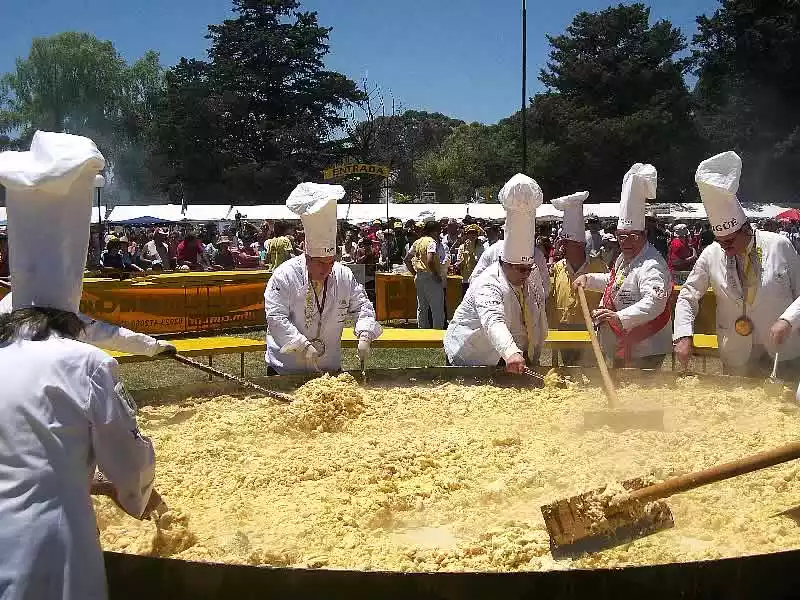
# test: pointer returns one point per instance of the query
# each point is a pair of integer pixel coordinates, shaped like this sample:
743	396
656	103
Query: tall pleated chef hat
638	186
49	206
520	196
573	227
315	204
718	181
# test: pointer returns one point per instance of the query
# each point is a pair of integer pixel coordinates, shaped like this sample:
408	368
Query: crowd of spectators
379	246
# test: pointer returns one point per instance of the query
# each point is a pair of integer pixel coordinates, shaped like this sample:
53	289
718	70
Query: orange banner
194	305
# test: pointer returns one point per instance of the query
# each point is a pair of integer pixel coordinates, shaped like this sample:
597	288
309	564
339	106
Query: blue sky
459	57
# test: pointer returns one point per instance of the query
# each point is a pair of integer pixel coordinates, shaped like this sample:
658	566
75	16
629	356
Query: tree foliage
616	95
748	65
262	109
262	112
76	83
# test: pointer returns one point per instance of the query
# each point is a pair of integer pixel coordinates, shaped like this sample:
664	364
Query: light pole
524	86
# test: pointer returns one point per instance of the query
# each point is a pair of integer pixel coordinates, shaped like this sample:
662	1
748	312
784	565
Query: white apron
293	317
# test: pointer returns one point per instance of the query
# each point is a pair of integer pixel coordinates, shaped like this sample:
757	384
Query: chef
109	337
563	306
492	254
309	297
755	276
63	411
502	318
635	306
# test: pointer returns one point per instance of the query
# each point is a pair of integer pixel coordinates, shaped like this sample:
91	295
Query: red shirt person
190	252
681	255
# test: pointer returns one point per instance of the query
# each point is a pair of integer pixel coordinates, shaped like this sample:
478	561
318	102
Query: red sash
626	339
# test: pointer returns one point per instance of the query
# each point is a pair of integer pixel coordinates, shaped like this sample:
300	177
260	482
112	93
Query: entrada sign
355	169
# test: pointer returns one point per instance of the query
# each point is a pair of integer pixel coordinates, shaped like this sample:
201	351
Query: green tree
76	83
748	65
616	95
263	107
471	157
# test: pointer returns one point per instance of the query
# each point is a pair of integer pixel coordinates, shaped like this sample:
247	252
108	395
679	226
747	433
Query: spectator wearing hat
155	253
468	254
115	258
224	259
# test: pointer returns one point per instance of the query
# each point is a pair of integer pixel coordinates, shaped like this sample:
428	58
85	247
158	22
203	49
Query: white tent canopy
171	212
364	213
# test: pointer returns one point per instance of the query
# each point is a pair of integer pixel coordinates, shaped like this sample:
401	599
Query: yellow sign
355	169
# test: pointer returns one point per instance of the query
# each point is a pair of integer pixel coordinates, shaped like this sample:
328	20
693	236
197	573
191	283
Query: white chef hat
315	204
718	181
638	186
573	227
49	201
520	196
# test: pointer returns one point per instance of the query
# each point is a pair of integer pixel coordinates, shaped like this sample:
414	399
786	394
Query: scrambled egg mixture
449	477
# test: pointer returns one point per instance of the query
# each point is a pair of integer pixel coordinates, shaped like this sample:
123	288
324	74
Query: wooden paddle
589	523
614	417
608	385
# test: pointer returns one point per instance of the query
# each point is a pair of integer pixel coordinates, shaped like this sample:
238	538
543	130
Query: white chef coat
107	336
642	297
293	317
776	298
488	325
495	251
62	413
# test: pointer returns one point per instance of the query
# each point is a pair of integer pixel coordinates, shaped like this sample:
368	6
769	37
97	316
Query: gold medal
743	326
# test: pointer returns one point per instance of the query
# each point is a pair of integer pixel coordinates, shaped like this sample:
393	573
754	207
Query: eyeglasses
624	237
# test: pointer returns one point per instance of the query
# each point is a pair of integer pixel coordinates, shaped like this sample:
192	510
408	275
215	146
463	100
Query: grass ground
163	373
167	373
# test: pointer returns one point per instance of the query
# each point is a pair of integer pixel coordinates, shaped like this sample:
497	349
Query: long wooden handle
735	468
222	374
608	385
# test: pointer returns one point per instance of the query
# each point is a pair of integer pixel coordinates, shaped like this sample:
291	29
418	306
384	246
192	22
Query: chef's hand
515	364
580	281
603	315
779	331
311	356
167	349
364	348
683	350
